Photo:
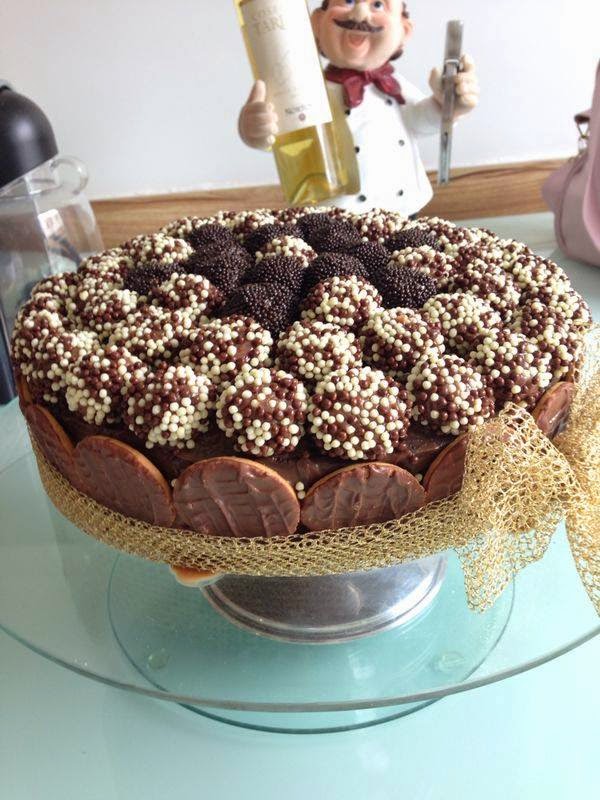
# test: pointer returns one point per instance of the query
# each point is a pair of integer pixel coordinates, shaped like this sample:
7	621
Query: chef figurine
386	113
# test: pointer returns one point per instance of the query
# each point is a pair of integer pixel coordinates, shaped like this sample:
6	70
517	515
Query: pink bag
573	191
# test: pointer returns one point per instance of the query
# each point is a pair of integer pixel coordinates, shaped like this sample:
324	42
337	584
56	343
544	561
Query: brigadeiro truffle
61	286
31	327
395	339
462	319
359	414
373	256
169	406
310	223
311	350
97	382
193	294
210	234
425	260
553	333
448	394
287	246
158	247
328	265
286	270
515	367
154	334
54	355
221	347
413	236
264	411
246	222
378	225
270	304
344	301
145	276
266	233
404	286
106	270
101	309
336	237
489	282
223	268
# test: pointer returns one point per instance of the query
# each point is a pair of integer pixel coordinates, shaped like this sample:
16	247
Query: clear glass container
46	226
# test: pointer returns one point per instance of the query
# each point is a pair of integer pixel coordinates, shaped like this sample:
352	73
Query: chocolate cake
300	368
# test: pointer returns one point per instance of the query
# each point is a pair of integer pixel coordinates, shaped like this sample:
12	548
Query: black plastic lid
26	136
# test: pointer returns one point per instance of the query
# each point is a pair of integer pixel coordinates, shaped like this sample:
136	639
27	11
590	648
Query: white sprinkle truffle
263	411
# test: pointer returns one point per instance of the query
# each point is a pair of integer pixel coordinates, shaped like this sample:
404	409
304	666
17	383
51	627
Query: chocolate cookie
121	478
444	477
552	411
361	495
54	443
230	496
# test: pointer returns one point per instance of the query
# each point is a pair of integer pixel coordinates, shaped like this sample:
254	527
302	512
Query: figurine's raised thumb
258	93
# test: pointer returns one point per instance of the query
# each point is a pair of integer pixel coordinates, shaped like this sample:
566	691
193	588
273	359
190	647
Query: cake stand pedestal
328	609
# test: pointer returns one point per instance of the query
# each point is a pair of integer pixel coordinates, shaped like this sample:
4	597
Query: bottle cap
26	136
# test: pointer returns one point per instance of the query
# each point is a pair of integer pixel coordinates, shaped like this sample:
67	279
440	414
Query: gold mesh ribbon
517	487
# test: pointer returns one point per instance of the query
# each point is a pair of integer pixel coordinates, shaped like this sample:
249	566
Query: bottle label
285	54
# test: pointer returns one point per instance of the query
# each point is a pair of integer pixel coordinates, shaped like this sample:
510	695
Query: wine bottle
314	150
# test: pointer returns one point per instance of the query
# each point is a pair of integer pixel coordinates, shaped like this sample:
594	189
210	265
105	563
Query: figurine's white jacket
392	175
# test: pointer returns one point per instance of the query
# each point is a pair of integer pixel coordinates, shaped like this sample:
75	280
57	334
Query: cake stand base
329	609
177	640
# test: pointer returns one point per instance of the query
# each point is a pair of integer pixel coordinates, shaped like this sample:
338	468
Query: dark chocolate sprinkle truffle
145	276
336	237
287	270
515	367
169	406
344	301
220	348
264	411
311	350
404	286
373	256
210	234
270	304
224	269
328	265
448	394
462	319
415	236
359	414
309	224
266	233
96	383
394	340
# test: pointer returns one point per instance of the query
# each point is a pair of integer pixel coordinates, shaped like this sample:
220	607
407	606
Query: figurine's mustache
362	27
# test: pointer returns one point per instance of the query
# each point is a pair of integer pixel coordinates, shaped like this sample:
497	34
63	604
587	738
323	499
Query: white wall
147	92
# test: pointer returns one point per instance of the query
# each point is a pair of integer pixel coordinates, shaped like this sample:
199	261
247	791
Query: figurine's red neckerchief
354	83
